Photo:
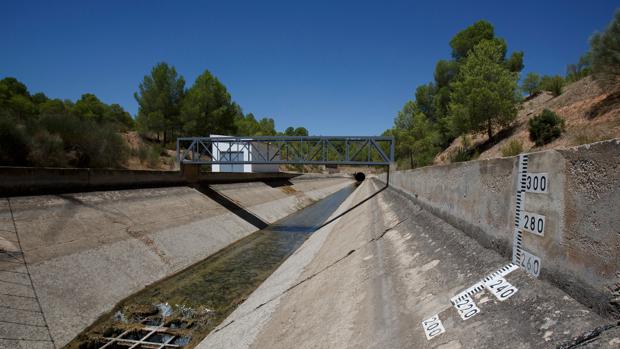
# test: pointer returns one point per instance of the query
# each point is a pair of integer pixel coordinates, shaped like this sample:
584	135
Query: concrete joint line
386	230
24	339
21	323
36	297
19	309
588	337
12	271
15	295
14	283
310	277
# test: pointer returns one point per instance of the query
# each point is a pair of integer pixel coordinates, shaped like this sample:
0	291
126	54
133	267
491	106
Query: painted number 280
534	223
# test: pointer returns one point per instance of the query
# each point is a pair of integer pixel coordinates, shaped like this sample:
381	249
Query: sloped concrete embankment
87	251
580	249
369	279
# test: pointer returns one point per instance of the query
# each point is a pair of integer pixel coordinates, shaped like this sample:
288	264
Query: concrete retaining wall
40	180
88	251
580	249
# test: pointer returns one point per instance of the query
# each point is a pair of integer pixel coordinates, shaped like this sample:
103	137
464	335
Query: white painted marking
473	289
466	307
536	183
530	263
479	286
519	203
501	288
433	327
533	223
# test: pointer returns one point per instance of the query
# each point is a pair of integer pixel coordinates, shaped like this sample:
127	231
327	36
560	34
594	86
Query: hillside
145	155
590	113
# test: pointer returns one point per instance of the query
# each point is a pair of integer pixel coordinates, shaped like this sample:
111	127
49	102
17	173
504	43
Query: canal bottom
182	309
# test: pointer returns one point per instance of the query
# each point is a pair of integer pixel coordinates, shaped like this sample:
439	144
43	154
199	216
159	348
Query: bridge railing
295	150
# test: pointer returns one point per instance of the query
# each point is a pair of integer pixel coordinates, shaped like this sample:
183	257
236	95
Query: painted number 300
536	182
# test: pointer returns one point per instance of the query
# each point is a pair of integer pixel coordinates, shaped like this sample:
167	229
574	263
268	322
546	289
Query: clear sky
337	68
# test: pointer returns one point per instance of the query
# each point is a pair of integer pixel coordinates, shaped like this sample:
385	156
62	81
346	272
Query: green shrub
153	157
47	150
545	127
149	154
461	154
142	153
91	144
514	147
106	148
553	84
13	143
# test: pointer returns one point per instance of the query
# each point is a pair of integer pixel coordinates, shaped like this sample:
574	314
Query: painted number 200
433	327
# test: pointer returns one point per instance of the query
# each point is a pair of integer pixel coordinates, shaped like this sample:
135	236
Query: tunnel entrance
359	176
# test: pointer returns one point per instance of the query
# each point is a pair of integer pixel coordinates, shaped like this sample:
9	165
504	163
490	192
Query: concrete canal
182	309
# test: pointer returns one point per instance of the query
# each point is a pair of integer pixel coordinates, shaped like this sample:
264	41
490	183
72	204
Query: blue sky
337	68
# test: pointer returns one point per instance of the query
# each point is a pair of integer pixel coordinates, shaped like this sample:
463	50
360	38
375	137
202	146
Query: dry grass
574	105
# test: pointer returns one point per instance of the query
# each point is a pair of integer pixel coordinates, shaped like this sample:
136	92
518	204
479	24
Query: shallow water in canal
194	301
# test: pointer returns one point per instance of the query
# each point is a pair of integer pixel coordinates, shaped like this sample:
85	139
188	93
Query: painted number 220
466	307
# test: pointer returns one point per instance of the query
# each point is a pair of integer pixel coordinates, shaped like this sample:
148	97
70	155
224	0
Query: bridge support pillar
191	172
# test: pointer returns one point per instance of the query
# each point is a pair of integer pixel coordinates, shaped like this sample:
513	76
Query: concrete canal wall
87	251
371	278
580	249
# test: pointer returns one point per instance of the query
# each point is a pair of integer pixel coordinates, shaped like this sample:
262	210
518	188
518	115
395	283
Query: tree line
477	91
474	91
36	130
167	109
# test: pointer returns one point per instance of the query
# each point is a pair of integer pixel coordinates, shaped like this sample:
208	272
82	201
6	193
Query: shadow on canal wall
231	206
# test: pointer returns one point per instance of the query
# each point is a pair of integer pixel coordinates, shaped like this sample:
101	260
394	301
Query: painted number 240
501	288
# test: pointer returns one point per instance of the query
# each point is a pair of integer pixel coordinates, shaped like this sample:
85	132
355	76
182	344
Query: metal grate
148	337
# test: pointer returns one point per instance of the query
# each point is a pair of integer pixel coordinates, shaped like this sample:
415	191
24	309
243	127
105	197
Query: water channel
192	302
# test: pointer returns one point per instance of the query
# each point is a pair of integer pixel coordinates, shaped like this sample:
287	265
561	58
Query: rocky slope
591	114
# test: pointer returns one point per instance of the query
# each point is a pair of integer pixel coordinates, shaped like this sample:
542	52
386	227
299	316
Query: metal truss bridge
294	150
